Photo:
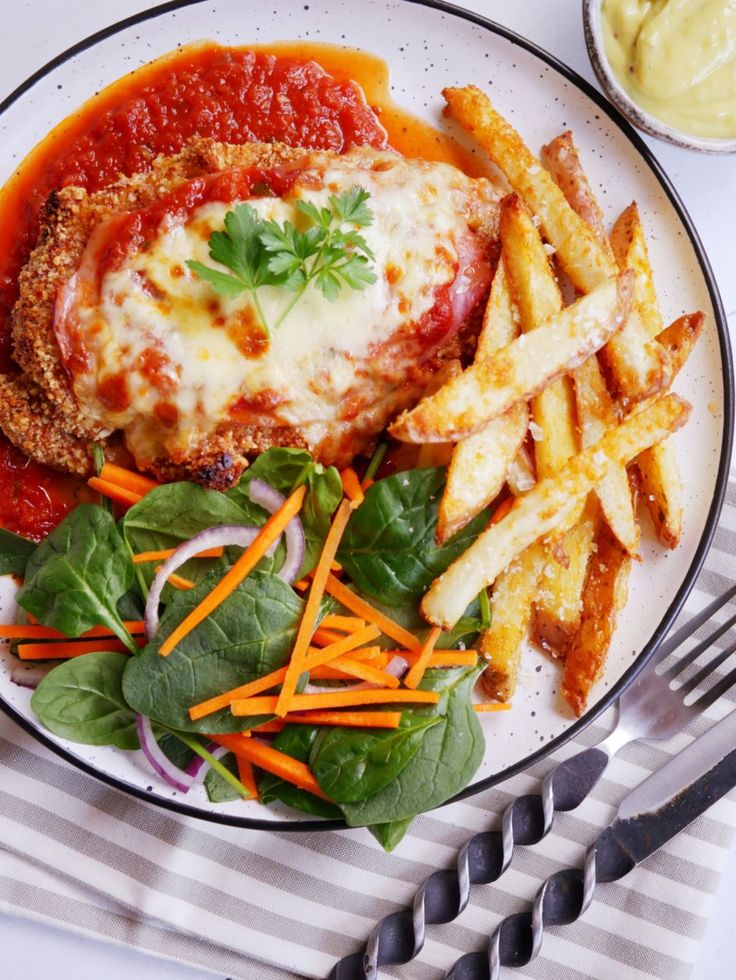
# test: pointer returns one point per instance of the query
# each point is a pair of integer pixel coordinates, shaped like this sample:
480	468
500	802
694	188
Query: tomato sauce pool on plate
234	95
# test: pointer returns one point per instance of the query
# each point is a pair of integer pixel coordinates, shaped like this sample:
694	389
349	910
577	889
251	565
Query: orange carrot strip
493	706
178	581
323	637
270	531
119	494
271	727
501	511
346	624
351	486
442	658
70	648
127	479
367	483
335	566
365	672
268	758
246	776
340	699
36	632
311	610
373	655
362	608
315	659
145	556
416	672
351	719
302	584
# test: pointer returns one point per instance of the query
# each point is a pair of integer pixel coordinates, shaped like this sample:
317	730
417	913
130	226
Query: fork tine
682	662
687	629
711	696
707	670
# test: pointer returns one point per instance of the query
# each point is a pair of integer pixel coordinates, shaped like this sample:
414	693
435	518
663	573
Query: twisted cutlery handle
399	937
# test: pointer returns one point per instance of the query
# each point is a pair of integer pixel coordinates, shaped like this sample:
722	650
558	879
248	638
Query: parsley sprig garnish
330	252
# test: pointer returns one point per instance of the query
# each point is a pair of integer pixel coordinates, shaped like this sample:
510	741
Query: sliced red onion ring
397	666
198	767
160	763
213	537
29	677
265	496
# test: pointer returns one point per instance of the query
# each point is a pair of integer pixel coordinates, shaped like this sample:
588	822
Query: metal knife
651	814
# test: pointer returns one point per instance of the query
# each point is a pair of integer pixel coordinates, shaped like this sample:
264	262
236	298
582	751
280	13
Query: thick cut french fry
630	248
595	407
563	162
544	508
500	645
489	388
604	596
521	475
558	605
478	466
438	453
658	466
637	361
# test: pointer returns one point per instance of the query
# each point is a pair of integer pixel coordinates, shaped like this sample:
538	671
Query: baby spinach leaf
173	748
82	700
75	578
218	789
14	553
351	764
449	754
390	835
284	469
249	635
389	549
174	513
296	741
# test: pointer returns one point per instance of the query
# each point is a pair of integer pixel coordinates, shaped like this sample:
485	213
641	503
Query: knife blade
648	817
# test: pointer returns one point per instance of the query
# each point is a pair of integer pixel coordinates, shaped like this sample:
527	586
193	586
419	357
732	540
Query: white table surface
707	186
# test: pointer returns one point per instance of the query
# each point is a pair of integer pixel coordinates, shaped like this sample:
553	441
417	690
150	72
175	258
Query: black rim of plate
721	480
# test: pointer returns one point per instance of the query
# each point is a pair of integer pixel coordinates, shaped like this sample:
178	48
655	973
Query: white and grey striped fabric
81	855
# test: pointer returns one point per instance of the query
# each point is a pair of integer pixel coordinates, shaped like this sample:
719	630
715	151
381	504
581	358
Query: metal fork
649	709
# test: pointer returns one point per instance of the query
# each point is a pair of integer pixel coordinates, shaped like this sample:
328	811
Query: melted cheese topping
189	358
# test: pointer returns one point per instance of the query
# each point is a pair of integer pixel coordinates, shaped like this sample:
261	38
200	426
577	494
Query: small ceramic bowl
622	100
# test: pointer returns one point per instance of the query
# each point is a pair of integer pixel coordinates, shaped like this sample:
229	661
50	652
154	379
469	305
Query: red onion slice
160	763
397	666
213	537
265	496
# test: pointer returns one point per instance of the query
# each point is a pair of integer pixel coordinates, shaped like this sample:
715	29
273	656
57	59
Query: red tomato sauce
232	95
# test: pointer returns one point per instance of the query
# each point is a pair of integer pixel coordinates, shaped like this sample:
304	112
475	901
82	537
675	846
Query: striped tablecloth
78	854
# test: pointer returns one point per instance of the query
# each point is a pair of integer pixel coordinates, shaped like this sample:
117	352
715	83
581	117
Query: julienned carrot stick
416	672
311	610
365	672
442	658
36	632
179	582
351	486
351	719
362	608
70	648
324	637
340	699
145	556
127	479
246	775
346	624
111	490
266	757
270	727
315	659
270	531
501	511
493	706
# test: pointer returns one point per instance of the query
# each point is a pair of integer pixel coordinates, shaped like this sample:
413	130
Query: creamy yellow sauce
677	60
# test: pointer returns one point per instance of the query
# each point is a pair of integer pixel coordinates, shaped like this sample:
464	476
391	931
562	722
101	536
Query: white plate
428	47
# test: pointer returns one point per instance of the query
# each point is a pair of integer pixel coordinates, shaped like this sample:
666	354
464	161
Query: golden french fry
680	337
438	453
500	645
630	248
478	464
604	596
637	361
545	507
521	476
563	162
489	388
558	604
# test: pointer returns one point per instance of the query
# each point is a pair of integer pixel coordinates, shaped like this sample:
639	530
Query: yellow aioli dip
677	60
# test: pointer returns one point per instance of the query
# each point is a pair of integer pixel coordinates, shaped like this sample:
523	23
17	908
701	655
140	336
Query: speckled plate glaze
430	45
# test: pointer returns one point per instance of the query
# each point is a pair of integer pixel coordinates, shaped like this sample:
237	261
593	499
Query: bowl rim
637	115
719	490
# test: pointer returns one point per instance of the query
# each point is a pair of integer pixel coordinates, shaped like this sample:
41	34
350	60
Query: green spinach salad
120	582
